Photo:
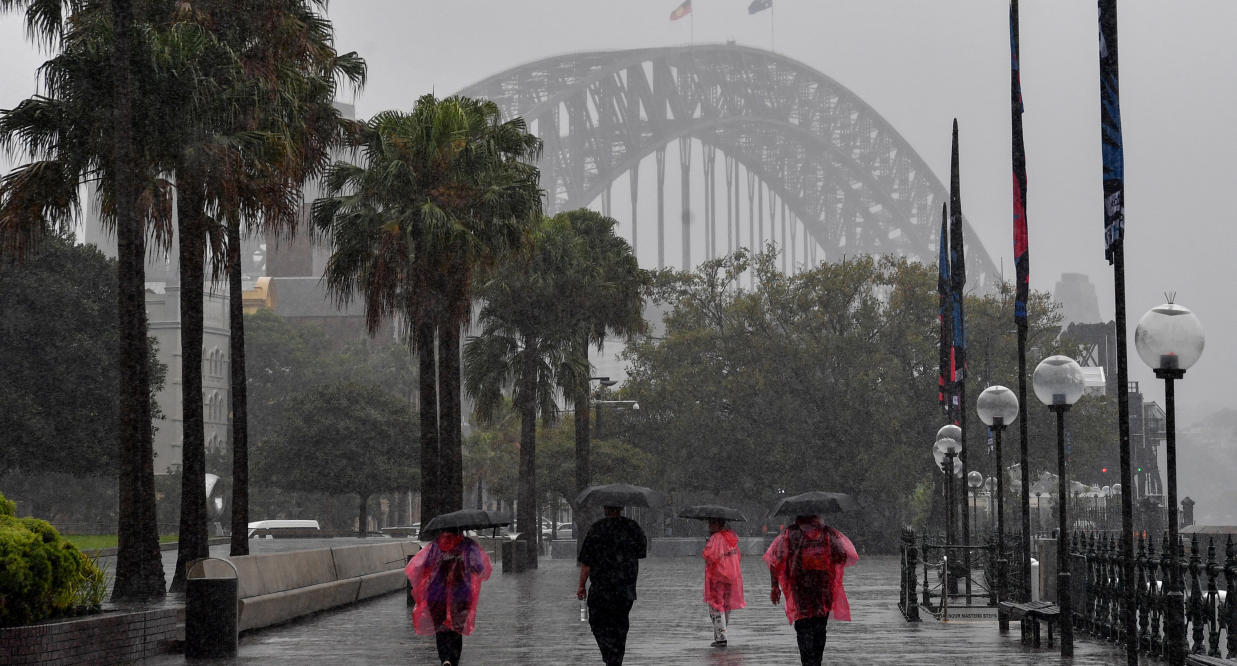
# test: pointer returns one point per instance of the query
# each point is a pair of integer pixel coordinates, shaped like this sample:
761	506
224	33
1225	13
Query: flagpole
1021	288
772	36
957	274
1112	152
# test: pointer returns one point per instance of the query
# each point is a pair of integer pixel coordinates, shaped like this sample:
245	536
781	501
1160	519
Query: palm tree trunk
526	517
240	397
139	564
450	437
362	529
583	469
428	415
193	538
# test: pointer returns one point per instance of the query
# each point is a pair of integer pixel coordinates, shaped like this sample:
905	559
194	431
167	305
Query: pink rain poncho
723	579
808	559
446	581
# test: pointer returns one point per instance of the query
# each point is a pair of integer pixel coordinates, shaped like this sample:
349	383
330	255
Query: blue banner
1110	127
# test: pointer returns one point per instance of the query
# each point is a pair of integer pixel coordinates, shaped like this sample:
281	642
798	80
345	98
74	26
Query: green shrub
41	574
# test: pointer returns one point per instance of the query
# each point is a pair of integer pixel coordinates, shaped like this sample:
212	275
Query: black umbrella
465	519
618	494
814	503
711	511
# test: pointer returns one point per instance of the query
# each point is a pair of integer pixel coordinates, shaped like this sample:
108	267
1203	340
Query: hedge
41	574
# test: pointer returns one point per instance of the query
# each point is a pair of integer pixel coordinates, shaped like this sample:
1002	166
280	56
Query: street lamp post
990	487
583	458
974	481
1058	384
1106	493
998	407
1169	339
954	433
1116	492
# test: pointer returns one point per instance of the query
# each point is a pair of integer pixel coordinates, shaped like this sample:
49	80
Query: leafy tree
287	357
491	455
340	438
436	193
613	461
59	330
823	380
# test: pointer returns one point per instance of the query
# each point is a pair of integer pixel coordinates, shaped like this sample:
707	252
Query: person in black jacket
610	558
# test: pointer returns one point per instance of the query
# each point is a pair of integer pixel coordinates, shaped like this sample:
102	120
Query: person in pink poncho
723	577
806	562
446	579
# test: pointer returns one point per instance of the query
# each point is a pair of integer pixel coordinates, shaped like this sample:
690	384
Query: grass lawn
89	542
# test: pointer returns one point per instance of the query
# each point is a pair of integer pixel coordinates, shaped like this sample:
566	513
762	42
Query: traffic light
1103	470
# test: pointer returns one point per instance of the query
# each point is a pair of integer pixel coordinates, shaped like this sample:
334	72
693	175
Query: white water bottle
583	611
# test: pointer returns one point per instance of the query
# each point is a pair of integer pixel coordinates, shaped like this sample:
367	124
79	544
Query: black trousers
810	634
608	620
450	645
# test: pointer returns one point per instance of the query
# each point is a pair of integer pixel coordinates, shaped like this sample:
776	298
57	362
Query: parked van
283	528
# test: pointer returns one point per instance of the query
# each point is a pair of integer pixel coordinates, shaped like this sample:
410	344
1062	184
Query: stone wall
107	638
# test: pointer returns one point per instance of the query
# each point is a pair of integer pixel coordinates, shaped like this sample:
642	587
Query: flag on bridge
1022	260
1110	131
681	11
945	379
759	6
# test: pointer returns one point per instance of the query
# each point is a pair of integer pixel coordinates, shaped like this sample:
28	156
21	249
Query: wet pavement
533	618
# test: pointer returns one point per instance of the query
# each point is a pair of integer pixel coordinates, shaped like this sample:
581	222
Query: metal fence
1210	610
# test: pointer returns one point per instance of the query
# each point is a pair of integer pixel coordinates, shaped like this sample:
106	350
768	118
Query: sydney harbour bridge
781	153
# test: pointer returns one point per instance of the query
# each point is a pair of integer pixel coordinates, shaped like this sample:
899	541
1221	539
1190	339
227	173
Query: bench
1030	614
277	587
1202	660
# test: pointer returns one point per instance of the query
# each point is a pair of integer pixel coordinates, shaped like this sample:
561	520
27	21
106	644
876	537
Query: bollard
515	555
211	609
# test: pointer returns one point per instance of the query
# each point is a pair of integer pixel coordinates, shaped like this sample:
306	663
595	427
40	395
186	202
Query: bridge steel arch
852	180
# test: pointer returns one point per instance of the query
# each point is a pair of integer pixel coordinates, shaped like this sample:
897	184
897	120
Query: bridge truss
834	177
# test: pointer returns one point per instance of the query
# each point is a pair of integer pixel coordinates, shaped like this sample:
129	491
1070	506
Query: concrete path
533	618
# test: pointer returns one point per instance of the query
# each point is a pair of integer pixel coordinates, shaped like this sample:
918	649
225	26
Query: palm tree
614	305
260	123
528	322
74	135
438	192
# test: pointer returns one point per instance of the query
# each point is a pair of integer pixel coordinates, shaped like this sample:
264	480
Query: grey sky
919	64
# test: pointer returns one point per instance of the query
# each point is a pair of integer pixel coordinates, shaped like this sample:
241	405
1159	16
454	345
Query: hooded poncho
723	578
446	581
808	559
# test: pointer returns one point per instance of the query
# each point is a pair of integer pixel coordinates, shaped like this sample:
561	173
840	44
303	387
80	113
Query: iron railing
1210	610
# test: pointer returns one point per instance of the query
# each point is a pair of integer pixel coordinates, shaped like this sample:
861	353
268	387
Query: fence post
1140	593
1230	595
1167	551
1213	629
1196	596
911	583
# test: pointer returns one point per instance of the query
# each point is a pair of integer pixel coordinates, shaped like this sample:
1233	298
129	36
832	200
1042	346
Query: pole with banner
1022	285
957	276
1112	151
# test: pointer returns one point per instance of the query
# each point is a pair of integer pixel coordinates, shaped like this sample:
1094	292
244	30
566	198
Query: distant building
163	315
1076	295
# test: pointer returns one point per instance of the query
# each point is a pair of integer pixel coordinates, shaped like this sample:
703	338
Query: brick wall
109	638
